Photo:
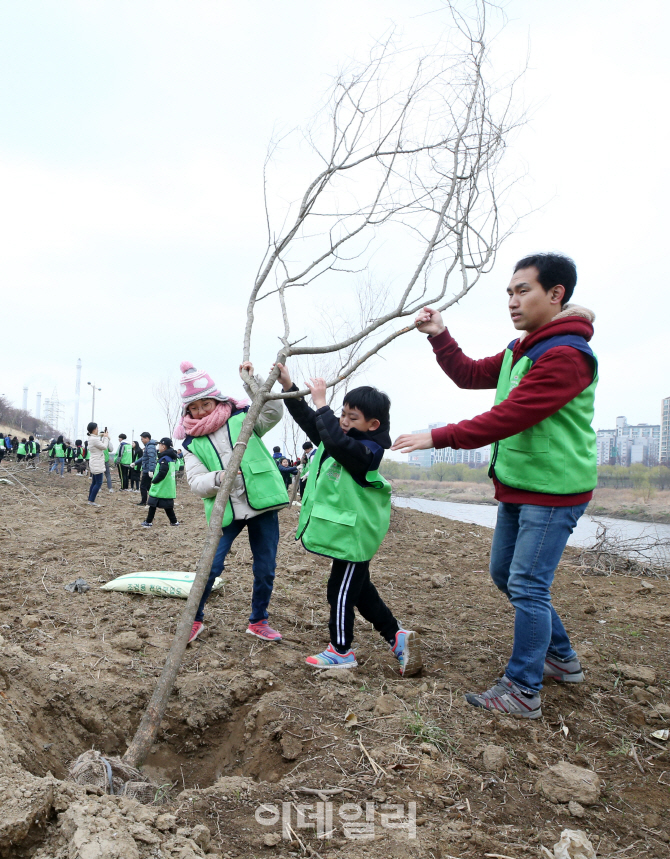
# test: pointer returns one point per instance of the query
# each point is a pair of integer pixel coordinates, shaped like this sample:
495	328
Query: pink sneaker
196	629
262	629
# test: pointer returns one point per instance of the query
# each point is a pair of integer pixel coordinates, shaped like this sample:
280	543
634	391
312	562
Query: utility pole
92	384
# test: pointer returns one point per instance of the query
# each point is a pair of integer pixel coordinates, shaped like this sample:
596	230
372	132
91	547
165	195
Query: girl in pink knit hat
210	425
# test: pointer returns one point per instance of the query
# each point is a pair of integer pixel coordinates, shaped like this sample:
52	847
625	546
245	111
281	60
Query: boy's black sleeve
355	456
304	416
161	474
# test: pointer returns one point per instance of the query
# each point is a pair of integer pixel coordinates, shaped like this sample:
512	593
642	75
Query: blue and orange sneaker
330	658
407	650
262	629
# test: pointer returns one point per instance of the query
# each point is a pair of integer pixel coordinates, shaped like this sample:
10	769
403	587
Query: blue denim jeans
263	533
528	542
96	483
59	460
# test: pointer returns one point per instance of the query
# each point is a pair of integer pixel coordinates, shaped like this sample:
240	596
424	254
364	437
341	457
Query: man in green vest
543	462
345	515
123	460
163	489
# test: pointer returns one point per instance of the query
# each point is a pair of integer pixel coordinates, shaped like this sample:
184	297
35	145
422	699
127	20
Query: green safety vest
59	450
340	518
126	451
106	454
263	483
21	449
167	488
558	456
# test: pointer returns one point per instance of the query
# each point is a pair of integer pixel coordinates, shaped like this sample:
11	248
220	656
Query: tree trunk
153	715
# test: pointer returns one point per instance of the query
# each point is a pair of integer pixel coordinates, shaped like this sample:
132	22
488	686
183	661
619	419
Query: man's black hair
123	436
307	445
145	435
372	403
276	450
552	270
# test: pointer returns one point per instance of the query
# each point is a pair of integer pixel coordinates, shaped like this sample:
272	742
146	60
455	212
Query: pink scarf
216	419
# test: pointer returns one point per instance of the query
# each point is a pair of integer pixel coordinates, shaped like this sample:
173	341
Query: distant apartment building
478	456
664	453
427	458
628	444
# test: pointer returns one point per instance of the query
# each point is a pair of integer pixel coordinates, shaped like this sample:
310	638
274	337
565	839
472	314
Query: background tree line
22	421
609	476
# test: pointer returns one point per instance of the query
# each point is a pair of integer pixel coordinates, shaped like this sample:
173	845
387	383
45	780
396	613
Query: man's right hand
429	321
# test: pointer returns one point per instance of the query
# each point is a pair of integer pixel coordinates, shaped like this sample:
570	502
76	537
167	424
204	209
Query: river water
583	536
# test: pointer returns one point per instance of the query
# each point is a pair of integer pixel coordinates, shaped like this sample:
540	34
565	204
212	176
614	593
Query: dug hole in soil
252	734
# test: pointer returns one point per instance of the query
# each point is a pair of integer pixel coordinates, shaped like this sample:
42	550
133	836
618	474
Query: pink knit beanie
196	385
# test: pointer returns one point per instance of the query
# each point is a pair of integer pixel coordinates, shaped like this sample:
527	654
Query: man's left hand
413	441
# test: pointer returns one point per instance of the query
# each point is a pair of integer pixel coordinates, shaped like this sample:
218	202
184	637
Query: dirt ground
618	503
252	734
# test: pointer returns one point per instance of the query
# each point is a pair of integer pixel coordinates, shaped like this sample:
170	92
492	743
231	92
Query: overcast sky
132	142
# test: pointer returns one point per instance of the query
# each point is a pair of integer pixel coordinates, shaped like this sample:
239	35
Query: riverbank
614	503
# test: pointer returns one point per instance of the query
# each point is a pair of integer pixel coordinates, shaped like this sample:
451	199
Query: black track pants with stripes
349	587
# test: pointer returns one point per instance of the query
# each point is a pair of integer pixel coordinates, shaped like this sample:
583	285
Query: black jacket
358	452
164	464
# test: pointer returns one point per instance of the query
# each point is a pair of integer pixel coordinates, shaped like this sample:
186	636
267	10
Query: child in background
135	471
163	490
210	426
286	470
345	515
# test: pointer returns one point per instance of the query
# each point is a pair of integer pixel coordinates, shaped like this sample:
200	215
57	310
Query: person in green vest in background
135	469
163	489
345	514
123	460
210	426
543	462
57	453
79	461
180	464
108	469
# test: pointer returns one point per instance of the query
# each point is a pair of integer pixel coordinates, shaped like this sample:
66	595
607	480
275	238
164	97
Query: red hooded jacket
555	378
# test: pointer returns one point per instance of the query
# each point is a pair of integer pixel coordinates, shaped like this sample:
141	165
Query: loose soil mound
249	725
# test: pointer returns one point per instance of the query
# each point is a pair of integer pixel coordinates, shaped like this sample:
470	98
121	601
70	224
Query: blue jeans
263	533
527	545
96	483
59	460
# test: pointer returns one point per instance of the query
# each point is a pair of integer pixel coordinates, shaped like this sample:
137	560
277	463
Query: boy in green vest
543	462
163	489
345	514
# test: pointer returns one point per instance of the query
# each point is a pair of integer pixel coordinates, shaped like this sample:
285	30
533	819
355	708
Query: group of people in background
96	456
296	468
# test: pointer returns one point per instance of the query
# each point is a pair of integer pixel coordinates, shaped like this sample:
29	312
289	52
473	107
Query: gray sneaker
507	698
563	672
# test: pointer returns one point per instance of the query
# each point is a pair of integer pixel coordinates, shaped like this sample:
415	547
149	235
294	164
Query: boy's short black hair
307	445
276	450
372	403
552	270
